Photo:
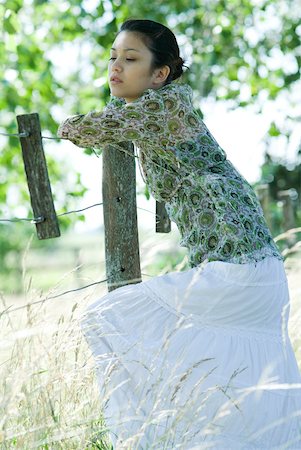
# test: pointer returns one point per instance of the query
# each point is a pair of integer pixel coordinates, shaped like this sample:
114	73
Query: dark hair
161	41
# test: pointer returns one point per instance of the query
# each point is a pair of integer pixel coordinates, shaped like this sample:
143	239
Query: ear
160	75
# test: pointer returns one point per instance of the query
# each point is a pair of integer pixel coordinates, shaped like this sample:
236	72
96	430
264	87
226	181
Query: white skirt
199	359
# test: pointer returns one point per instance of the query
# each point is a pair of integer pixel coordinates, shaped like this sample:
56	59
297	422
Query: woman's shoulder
183	91
173	93
155	99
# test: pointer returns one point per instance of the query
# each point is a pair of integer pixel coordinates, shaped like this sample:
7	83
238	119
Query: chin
116	90
116	95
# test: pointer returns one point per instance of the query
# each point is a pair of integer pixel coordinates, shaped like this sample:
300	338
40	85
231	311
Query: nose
116	66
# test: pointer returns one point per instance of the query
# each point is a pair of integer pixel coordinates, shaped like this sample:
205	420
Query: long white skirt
199	359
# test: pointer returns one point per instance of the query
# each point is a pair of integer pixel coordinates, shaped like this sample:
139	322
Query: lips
115	80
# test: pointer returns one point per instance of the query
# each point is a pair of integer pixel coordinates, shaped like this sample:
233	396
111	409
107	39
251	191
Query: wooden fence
119	202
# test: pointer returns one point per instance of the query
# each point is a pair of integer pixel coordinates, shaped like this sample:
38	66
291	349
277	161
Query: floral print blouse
216	210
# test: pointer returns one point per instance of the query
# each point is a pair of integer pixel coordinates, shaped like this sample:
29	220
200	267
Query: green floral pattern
216	210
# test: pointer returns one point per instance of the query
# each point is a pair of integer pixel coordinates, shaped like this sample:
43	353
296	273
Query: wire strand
8	310
23	134
147	210
133	155
34	220
37	219
26	134
17	219
54	138
79	210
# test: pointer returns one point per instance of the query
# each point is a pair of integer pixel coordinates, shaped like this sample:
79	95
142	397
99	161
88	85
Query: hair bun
177	68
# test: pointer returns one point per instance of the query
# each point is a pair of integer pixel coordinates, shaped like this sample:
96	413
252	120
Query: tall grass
49	397
48	390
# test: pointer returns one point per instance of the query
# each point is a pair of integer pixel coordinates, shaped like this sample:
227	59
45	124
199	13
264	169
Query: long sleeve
143	119
215	209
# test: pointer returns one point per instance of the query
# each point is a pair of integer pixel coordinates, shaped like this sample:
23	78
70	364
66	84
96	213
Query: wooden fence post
120	216
288	215
263	194
37	177
163	224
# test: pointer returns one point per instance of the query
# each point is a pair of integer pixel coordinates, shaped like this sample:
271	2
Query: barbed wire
34	220
52	297
54	138
135	155
147	210
23	134
26	134
38	219
79	210
18	219
8	310
154	162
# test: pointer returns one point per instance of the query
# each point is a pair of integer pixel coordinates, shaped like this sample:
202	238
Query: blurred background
244	59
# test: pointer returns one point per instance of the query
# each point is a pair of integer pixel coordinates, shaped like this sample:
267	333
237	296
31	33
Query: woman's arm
143	119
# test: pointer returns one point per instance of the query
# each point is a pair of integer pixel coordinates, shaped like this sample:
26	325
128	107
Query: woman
200	358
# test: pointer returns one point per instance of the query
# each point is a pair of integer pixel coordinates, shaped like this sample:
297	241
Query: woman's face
130	72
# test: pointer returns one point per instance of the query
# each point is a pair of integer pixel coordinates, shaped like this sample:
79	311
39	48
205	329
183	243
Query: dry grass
49	397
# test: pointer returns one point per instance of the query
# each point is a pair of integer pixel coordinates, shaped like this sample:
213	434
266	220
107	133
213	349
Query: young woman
200	358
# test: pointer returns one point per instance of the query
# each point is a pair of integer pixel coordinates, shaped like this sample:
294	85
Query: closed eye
127	59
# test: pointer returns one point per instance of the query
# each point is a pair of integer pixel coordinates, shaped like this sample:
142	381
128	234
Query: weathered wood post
288	216
263	194
163	224
37	176
120	216
288	220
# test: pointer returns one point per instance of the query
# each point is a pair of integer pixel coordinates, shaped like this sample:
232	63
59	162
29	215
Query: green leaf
274	130
146	192
13	5
10	22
